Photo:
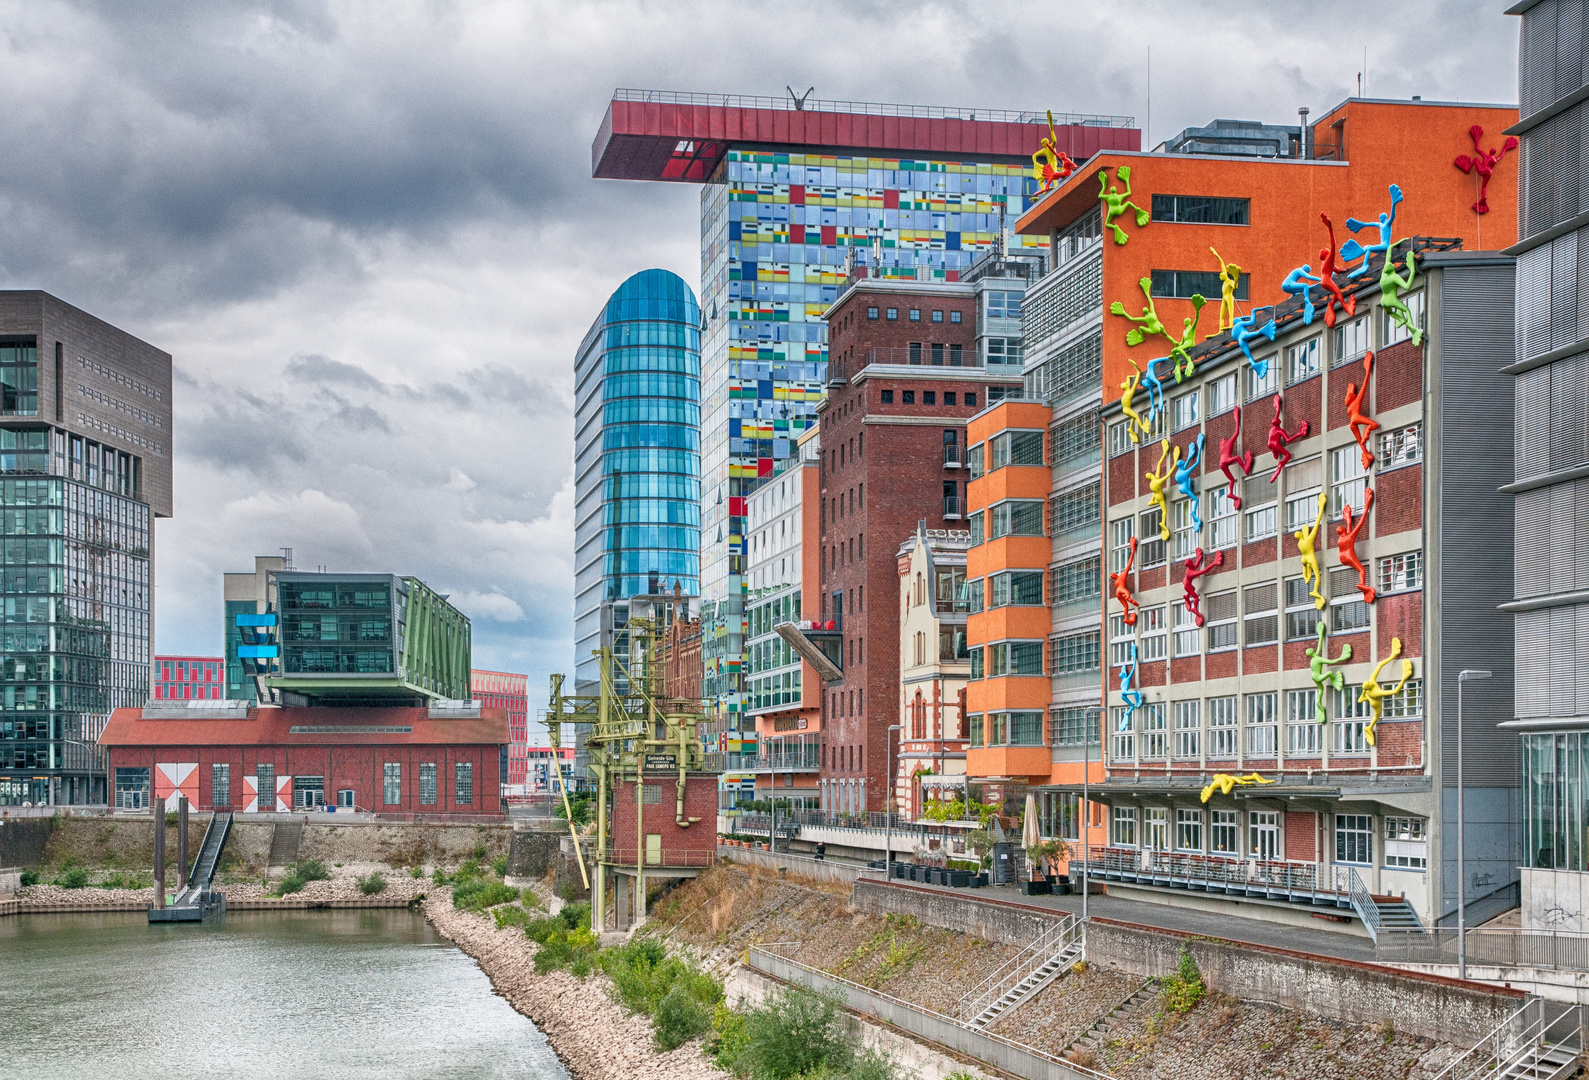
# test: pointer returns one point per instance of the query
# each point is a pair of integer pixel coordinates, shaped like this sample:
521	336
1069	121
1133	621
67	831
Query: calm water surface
277	995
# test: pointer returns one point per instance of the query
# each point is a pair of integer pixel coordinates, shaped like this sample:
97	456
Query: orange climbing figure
1361	426
1050	164
1278	440
1346	540
1374	695
1128	395
1308	547
1229	279
1123	588
1116	202
1156	482
1196	568
1333	296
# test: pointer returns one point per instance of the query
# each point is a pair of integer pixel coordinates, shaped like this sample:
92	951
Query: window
1003	305
973	595
1348	478
1219	609
427	783
1123	826
887	397
1151	551
1184	411
871	313
949	397
1348	718
1121	638
1077	509
1262	386
1016	729
1020	657
1348	611
1075	582
1021	517
1120	439
915	315
19	378
1303	730
1122	740
1188	729
1401	573
974	457
1200	210
1394	332
1183	530
265	786
132	788
1221	395
1303	480
1188	283
1222	728
220	786
1150	620
937	316
1302	618
1406	843
1120	536
954	316
971	400
1262	711
1072	726
1074	440
1222	831
1015	448
1073	654
1156	828
463	783
975	521
929	397
1354	839
1019	588
1302	360
1260	623
1403	446
1188	635
1004	352
975	719
1407	705
910	397
976	662
392	786
1221	513
1189	830
1351	340
1152	725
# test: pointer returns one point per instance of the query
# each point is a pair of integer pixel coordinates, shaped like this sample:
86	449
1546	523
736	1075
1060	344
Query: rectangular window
1021	517
976	662
1189	830
1219	609
1183	530
1073	654
1150	620
463	783
871	313
1121	533
427	783
1151	551
1265	385
1017	588
887	397
1220	511
1222	728
1188	636
1403	446
1123	826
1407	705
1122	740
19	381
910	397
1303	481
392	786
975	719
1302	361
220	786
1188	283
1260	620
937	316
1351	340
1018	658
1077	508
132	788
1156	828
1188	729
974	595
1120	439
893	313
1003	352
265	786
1184	411
1401	573
1072	726
1304	733
1024	728
1153	725
1075	582
1348	611
1263	834
1302	618
1222	831
929	397
1002	304
1258	502
1406	843
1348	718
1016	448
1262	725
1354	839
1200	210
974	460
1221	395
1393	331
1348	478
1075	440
975	521
998	729
1121	638
915	314
954	316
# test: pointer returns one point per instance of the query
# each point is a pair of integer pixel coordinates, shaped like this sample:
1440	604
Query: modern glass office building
637	459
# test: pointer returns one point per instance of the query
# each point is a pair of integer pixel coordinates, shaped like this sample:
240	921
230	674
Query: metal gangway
197	902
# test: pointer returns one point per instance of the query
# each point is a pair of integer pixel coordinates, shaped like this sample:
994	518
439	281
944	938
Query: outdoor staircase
1093	1039
285	838
1397	915
1544	1061
1052	968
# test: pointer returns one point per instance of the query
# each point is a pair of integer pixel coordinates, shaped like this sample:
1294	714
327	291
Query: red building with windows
505	690
187	678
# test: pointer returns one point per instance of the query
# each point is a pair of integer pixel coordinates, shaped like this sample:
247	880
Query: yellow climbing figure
1229	278
1156	482
1128	395
1375	694
1225	782
1307	546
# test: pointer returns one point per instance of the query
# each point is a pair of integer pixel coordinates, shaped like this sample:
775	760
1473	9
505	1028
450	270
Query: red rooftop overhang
661	135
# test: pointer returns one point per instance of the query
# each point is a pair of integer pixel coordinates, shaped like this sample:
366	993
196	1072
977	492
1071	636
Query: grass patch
567	943
1185	988
476	895
678	996
499	866
372	883
302	873
125	881
72	878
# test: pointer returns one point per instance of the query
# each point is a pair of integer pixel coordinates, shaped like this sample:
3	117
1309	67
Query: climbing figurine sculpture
1361	426
1050	164
1278	440
1122	586
1391	286
1132	698
1229	279
1299	283
1183	477
1148	321
1196	568
1116	202
1127	396
1155	390
1373	695
1333	296
1225	783
1346	540
1352	249
1318	660
1483	162
1229	457
1183	347
1307	539
1242	333
1156	482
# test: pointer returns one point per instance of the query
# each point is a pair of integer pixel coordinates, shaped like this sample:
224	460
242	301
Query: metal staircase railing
1362	900
1009	974
209	856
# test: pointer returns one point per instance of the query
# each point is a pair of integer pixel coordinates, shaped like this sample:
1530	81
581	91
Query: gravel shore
343	885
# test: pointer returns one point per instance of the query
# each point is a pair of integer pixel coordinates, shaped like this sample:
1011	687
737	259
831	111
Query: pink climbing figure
1333	296
1196	568
1362	427
1116	201
1229	457
1346	540
1483	162
1278	440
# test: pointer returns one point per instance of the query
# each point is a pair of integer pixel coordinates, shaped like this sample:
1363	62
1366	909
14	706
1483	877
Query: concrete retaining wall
988	919
22	841
530	855
798	866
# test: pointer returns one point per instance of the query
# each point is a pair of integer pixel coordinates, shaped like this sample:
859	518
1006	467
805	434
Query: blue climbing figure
1183	478
1352	249
1242	333
1132	698
1155	389
1300	282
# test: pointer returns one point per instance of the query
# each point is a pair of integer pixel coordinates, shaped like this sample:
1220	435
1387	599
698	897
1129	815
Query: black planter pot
1061	887
1034	888
959	879
979	881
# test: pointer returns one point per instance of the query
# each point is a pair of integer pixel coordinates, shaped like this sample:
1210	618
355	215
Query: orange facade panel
1006	553
1007	761
1009	482
1007	414
1012	692
1008	622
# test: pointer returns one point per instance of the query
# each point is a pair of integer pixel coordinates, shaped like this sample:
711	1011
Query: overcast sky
368	234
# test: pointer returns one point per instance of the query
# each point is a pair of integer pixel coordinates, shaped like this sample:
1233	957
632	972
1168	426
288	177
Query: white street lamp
1465	675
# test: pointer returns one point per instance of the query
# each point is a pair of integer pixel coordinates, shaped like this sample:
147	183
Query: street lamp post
1465	675
888	800
1093	711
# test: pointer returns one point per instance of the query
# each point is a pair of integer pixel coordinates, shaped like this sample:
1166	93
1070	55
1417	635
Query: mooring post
182	843
160	853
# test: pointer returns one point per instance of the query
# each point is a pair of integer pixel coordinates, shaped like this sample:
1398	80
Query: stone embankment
593	1035
343	887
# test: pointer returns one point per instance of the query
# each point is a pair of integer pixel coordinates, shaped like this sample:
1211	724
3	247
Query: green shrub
499	866
125	881
564	949
471	870
416	872
1185	988
680	1017
728	1040
372	883
439	876
74	878
794	1033
30	877
511	915
302	873
575	915
479	852
478	895
581	807
644	976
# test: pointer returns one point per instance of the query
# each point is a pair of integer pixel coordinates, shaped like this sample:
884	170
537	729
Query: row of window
1068	654
915	314
929	397
132	786
1218	832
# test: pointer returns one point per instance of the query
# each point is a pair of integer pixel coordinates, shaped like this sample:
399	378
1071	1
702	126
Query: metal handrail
1516	947
1012	971
1362	900
868	108
1504	1045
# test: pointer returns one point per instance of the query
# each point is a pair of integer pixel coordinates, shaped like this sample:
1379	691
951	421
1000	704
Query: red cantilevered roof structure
271	726
661	135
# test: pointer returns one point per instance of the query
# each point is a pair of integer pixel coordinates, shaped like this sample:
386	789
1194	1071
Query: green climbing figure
1318	660
1115	201
1183	347
1391	286
1149	318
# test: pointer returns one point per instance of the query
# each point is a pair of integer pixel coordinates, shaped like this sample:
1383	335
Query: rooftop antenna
1147	118
799	99
286	557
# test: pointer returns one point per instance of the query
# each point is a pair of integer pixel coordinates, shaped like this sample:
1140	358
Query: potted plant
1043	855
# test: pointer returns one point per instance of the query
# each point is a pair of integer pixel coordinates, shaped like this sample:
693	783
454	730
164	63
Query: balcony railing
927	354
801	757
870	108
1217	873
719	761
954	506
953	456
1510	947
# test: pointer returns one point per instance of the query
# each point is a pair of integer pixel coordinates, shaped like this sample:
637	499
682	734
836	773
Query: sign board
662	763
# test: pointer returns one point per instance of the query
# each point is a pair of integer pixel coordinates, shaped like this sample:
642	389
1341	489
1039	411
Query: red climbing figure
1484	164
1346	540
1229	457
1123	588
1195	569
1278	439
1361	426
1333	297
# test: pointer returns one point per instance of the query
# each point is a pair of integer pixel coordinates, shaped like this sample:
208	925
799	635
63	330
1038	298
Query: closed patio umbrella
1031	833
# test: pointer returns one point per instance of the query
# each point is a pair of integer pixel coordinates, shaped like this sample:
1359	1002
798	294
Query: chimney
1305	142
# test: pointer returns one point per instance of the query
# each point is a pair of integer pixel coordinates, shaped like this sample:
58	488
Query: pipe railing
1509	947
1009	974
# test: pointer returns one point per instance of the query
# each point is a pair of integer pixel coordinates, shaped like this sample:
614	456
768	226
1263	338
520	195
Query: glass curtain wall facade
637	459
779	234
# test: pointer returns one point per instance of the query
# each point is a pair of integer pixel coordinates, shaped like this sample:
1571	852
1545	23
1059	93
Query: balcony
929	354
1269	879
954	508
953	456
790	757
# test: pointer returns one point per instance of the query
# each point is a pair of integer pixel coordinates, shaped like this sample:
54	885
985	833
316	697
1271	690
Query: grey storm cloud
369	236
